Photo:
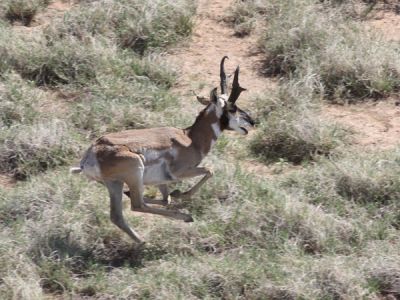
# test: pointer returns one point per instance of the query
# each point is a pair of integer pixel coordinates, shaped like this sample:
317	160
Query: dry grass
349	61
291	128
21	10
326	231
29	149
139	25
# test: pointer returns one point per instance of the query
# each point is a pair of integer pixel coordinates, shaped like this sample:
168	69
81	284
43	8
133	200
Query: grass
139	25
349	61
250	239
21	10
244	15
292	129
18	101
29	149
326	230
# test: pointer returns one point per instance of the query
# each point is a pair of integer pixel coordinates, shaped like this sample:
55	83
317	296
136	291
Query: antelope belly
157	173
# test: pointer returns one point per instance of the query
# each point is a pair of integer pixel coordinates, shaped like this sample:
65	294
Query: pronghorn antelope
158	156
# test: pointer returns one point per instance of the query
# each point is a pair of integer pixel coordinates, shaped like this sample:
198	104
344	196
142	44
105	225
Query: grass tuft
140	25
22	10
291	128
349	61
27	150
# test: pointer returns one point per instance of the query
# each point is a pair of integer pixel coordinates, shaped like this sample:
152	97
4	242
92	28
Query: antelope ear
213	95
203	100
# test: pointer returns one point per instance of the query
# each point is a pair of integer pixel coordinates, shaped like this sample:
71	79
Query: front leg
193	172
166	199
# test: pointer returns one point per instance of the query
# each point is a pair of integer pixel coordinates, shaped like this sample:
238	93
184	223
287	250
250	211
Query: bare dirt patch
53	10
7	181
386	23
375	124
199	60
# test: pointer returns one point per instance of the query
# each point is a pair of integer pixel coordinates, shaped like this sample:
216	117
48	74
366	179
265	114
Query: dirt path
375	124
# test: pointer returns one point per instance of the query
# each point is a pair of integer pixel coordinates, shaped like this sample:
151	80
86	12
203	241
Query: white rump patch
91	167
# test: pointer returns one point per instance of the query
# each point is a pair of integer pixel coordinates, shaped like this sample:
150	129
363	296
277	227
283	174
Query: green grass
19	101
244	15
250	239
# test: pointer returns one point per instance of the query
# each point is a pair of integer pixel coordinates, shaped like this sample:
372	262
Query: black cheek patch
224	121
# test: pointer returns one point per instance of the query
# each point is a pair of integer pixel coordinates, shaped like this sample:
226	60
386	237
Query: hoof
139	245
176	194
189	219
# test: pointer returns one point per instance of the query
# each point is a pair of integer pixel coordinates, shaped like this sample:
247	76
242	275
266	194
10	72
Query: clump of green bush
367	183
49	61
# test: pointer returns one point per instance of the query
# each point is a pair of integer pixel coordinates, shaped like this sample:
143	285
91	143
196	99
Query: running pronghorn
158	156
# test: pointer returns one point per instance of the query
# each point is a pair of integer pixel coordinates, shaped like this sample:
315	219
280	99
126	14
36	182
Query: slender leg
192	173
135	184
115	192
164	192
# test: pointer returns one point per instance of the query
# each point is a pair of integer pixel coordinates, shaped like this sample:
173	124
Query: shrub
29	149
244	15
18	101
291	128
130	92
363	184
348	60
19	277
22	10
140	25
48	62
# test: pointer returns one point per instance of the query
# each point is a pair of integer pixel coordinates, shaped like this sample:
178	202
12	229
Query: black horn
224	87
236	88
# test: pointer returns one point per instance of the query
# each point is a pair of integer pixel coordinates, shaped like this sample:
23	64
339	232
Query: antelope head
230	115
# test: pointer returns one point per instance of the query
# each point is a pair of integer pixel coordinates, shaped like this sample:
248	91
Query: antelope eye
233	110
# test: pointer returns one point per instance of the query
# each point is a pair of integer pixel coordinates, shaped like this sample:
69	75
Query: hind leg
115	192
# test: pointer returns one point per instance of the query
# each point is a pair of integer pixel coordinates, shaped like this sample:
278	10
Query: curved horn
236	88
224	87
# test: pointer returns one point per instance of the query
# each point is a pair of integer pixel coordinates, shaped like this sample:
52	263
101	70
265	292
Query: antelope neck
205	130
